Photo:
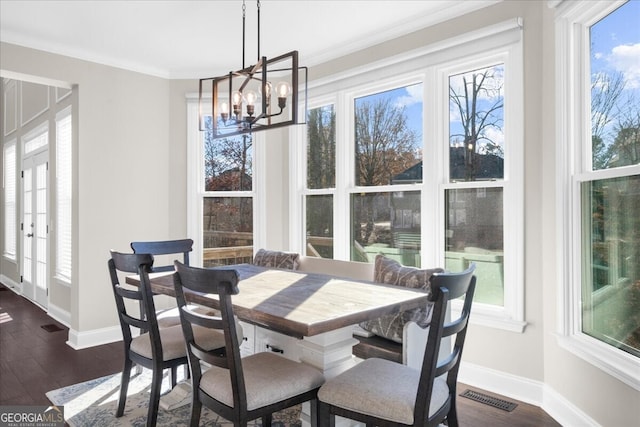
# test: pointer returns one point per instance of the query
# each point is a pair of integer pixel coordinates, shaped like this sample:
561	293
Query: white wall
132	184
122	173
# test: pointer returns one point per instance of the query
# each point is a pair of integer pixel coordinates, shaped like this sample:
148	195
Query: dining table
316	311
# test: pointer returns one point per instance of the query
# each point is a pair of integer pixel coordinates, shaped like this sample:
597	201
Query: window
321	181
387	162
64	197
474	196
9	185
425	168
227	198
600	174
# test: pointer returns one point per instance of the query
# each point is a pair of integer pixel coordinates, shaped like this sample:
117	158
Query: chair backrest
444	288
145	318
224	283
165	247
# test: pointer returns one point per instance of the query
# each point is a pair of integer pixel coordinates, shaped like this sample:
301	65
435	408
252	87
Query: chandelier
258	97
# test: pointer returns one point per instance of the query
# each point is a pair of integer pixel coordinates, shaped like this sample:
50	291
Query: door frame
37	288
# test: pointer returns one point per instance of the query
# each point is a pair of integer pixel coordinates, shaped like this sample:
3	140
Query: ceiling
194	39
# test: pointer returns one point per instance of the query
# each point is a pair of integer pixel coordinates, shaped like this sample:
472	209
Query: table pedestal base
330	352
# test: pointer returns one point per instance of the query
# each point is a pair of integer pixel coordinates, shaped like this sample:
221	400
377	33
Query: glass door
35	228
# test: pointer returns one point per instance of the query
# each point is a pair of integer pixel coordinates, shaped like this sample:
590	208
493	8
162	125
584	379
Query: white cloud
626	59
413	96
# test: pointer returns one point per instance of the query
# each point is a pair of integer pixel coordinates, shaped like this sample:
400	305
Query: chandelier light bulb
283	89
250	98
236	101
265	90
236	98
224	111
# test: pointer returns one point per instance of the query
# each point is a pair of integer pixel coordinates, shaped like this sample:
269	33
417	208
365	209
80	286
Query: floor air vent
50	327
505	405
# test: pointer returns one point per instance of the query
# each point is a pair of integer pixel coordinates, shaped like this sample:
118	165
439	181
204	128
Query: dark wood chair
385	393
181	247
237	389
165	247
156	349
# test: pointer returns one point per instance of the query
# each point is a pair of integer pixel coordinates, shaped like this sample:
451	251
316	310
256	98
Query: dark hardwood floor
34	361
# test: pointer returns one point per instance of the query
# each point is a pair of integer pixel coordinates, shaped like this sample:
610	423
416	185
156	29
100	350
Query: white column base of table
332	353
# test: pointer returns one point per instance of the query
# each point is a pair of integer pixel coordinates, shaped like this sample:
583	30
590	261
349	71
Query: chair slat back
222	282
444	288
144	319
165	247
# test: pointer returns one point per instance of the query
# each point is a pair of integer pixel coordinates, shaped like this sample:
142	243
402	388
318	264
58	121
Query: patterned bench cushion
276	259
391	272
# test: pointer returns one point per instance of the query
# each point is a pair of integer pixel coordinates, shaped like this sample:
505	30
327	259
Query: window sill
495	318
617	363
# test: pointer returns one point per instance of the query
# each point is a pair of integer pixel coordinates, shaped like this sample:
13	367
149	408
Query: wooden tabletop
299	303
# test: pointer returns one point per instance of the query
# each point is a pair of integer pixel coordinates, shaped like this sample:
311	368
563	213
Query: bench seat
379	347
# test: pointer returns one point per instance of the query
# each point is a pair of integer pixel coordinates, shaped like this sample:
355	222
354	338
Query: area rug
93	403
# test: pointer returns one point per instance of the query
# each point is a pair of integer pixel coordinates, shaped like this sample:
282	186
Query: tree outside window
388	152
609	204
228	213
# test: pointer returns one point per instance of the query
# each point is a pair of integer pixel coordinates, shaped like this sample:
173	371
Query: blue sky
615	47
615	43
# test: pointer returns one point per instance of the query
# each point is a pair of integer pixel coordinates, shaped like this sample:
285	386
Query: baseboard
79	340
14	286
565	412
59	315
526	390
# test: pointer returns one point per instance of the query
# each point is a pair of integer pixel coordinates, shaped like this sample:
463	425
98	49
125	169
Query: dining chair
164	247
238	389
156	349
381	392
169	316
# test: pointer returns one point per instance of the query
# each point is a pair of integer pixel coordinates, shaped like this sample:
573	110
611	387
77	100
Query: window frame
573	167
430	64
195	187
64	196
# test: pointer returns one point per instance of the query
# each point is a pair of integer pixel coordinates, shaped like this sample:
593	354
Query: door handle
29	234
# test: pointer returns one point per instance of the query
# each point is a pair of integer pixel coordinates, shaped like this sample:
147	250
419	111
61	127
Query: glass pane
476	121
611	272
228	162
227	225
321	148
388	136
10	212
474	233
37	142
615	88
320	226
386	223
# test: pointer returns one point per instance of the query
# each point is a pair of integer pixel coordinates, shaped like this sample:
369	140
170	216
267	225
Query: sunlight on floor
5	317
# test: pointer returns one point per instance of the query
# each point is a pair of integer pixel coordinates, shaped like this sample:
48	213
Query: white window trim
572	52
503	40
12	256
195	189
59	276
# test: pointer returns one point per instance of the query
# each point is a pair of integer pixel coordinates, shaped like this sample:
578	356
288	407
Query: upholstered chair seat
173	345
382	389
268	378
